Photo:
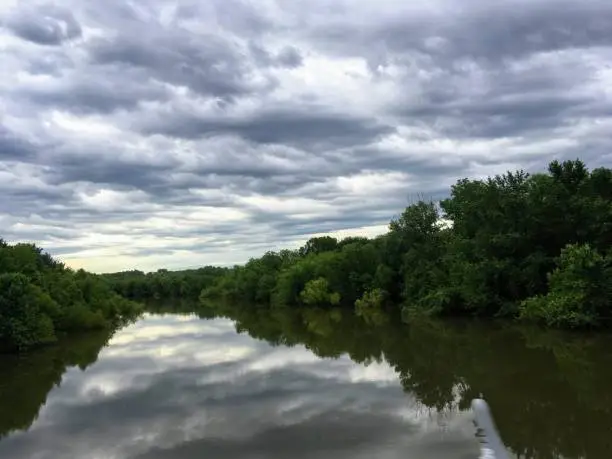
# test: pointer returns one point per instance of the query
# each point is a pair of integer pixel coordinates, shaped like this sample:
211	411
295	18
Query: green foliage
486	250
372	299
23	322
580	290
371	307
316	293
40	297
292	280
164	284
349	271
318	245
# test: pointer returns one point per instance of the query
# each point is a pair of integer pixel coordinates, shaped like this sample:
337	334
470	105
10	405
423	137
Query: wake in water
491	445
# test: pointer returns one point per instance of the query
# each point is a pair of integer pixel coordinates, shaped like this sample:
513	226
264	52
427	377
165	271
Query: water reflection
25	381
549	391
182	387
178	386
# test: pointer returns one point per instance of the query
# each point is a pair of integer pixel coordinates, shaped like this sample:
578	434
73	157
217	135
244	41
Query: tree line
41	299
163	284
536	247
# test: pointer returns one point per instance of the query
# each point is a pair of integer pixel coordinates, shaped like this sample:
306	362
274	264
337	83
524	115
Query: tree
23	319
40	296
486	250
318	245
316	293
580	290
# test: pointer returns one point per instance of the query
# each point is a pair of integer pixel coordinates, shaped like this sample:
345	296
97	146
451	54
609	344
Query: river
305	384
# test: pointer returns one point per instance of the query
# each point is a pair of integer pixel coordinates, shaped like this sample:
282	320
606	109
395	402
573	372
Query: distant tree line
534	247
40	299
163	284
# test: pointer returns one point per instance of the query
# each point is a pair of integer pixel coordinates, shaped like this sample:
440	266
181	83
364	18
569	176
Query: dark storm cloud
243	17
166	109
424	166
288	57
492	116
54	64
482	48
525	28
99	169
207	64
98	92
512	100
46	25
24	198
476	30
233	170
15	147
284	184
289	127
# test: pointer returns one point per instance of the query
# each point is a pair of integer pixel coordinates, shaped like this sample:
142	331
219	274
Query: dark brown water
306	384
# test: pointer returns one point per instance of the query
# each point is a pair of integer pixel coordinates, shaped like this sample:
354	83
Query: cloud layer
172	387
182	133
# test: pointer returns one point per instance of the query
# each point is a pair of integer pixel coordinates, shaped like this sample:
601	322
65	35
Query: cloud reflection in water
181	387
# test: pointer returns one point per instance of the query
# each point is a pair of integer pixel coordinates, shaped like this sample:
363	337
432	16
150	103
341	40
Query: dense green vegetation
535	247
186	284
40	299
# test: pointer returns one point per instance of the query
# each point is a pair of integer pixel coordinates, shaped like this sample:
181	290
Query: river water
306	384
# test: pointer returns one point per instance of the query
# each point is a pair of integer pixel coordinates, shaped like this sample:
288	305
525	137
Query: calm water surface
305	384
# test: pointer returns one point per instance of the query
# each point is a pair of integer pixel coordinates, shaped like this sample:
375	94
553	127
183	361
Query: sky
173	134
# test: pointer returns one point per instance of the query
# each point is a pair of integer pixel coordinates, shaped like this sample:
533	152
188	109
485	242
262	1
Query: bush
579	290
372	299
23	322
316	293
79	317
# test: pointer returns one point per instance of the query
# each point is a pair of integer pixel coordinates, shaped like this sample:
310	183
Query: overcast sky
148	134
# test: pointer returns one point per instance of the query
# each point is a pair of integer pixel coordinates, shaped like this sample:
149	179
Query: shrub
579	290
